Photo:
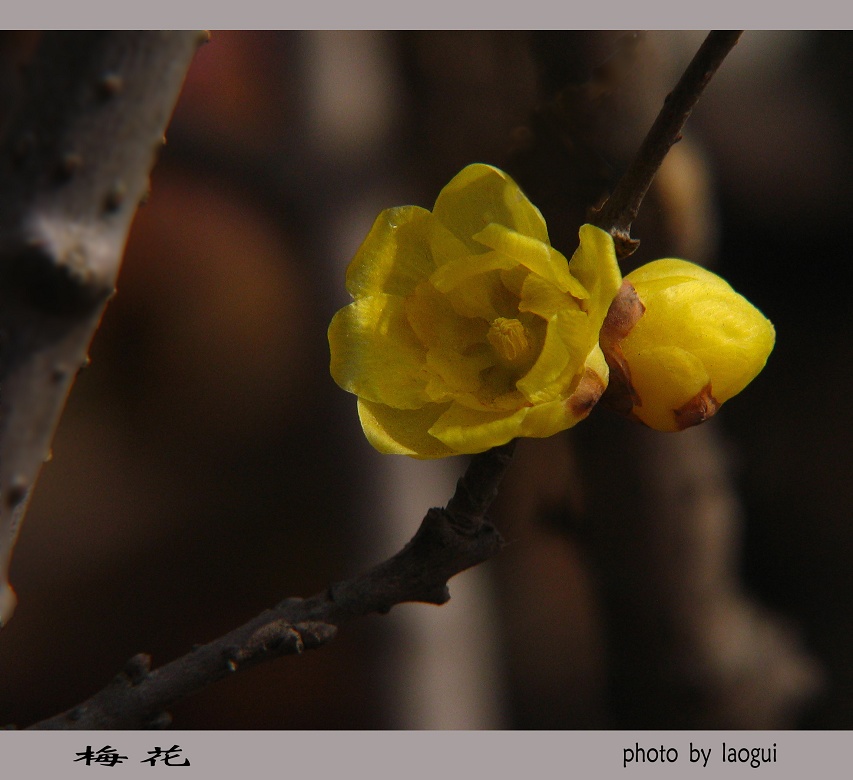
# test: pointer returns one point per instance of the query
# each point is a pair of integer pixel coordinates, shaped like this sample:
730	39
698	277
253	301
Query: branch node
272	636
53	280
17	491
69	163
115	196
231	656
109	85
315	633
289	605
625	245
138	668
438	595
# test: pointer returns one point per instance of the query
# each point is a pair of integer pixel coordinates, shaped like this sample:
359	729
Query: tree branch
74	163
448	541
620	210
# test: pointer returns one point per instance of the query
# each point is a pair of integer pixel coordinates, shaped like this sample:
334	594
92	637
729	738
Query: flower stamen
509	338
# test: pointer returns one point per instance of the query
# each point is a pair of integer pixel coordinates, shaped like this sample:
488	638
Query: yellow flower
680	342
467	328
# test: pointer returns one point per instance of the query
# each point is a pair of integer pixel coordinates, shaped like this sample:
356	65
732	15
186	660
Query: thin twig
620	210
447	542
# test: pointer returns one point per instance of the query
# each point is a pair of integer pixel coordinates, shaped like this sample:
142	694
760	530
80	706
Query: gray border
384	755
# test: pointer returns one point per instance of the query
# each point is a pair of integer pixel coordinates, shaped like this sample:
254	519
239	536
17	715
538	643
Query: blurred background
207	466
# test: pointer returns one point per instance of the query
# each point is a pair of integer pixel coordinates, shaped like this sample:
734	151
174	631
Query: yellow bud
680	342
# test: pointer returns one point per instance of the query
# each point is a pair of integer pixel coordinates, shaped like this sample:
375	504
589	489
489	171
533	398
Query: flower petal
543	298
375	353
453	373
402	431
536	255
469	431
479	195
665	379
558	415
394	257
455	272
447	247
437	325
485	296
594	265
673	271
568	341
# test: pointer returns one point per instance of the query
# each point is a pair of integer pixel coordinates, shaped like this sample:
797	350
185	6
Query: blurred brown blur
207	466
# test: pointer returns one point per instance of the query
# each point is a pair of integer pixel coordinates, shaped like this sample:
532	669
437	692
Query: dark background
207	466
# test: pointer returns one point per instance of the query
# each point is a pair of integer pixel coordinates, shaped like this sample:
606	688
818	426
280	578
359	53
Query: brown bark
74	164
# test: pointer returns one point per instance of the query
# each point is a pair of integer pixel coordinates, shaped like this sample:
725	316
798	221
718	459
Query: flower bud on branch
680	342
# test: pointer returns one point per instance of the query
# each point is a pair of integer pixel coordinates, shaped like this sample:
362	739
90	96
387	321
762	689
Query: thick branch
620	210
74	163
442	547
